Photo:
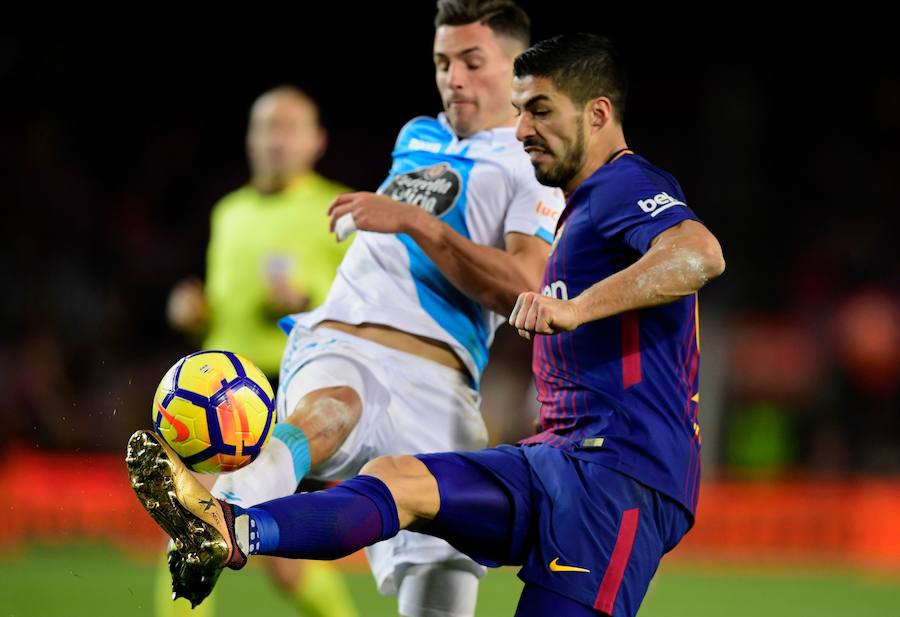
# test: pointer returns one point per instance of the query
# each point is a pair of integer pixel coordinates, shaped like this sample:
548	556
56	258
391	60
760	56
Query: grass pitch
90	580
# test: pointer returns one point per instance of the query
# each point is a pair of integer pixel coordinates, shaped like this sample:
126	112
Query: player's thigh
433	409
315	361
487	503
477	514
415	490
443	589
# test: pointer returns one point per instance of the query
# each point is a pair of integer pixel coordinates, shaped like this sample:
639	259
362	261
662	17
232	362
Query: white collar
506	133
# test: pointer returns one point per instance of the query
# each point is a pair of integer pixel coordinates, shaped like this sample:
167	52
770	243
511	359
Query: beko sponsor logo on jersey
658	203
556	289
435	189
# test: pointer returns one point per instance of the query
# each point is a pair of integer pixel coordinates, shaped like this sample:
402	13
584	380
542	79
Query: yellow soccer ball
216	409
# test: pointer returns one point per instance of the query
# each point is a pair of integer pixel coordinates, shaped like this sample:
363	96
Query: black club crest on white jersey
435	188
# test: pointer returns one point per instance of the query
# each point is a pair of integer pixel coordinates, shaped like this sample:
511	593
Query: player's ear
599	112
321	143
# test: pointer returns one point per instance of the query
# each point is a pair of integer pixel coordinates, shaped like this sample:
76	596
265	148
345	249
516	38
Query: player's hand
186	308
538	314
284	298
282	294
373	212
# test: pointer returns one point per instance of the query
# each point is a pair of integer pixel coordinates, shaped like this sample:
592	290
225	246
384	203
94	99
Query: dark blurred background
785	138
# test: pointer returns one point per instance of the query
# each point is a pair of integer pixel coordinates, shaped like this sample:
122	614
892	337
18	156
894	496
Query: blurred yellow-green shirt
256	240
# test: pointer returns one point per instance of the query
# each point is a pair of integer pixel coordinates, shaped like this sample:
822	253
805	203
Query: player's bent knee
326	417
413	487
384	467
340	403
395	469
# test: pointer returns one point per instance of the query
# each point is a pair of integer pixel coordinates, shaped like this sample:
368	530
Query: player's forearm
490	276
665	273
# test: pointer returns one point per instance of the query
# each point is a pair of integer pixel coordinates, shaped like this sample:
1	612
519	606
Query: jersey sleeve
534	208
640	213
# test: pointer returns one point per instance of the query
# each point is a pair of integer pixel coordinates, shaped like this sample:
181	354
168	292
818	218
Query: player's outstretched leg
393	493
202	530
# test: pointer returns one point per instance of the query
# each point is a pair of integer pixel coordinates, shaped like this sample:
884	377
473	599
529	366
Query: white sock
270	476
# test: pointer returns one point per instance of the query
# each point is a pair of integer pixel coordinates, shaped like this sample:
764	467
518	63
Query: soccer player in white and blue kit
390	363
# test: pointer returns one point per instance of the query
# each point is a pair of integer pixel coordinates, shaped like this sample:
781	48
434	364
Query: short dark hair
504	17
581	66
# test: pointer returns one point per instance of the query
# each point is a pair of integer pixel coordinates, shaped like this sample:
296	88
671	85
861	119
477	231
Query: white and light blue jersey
484	188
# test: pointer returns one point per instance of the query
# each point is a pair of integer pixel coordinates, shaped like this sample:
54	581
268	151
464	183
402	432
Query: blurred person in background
270	253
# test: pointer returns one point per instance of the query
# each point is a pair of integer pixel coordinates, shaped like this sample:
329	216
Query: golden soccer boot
201	526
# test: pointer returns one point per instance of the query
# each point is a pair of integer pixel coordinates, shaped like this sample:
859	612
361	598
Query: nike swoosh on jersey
181	429
556	567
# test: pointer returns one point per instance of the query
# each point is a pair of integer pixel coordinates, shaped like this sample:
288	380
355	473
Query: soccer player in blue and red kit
590	504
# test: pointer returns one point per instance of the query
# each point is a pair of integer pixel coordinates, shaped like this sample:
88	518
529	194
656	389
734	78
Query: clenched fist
537	314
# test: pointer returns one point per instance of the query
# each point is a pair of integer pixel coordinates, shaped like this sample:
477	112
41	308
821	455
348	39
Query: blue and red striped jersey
622	391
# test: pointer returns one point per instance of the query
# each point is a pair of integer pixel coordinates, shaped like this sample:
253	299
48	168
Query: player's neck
272	184
504	121
507	122
600	154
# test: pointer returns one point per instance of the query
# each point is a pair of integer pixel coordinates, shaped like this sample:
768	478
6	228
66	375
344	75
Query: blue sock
325	524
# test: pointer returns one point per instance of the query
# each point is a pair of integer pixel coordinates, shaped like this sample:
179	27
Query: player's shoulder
237	199
646	171
644	176
423	133
421	122
241	194
631	178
